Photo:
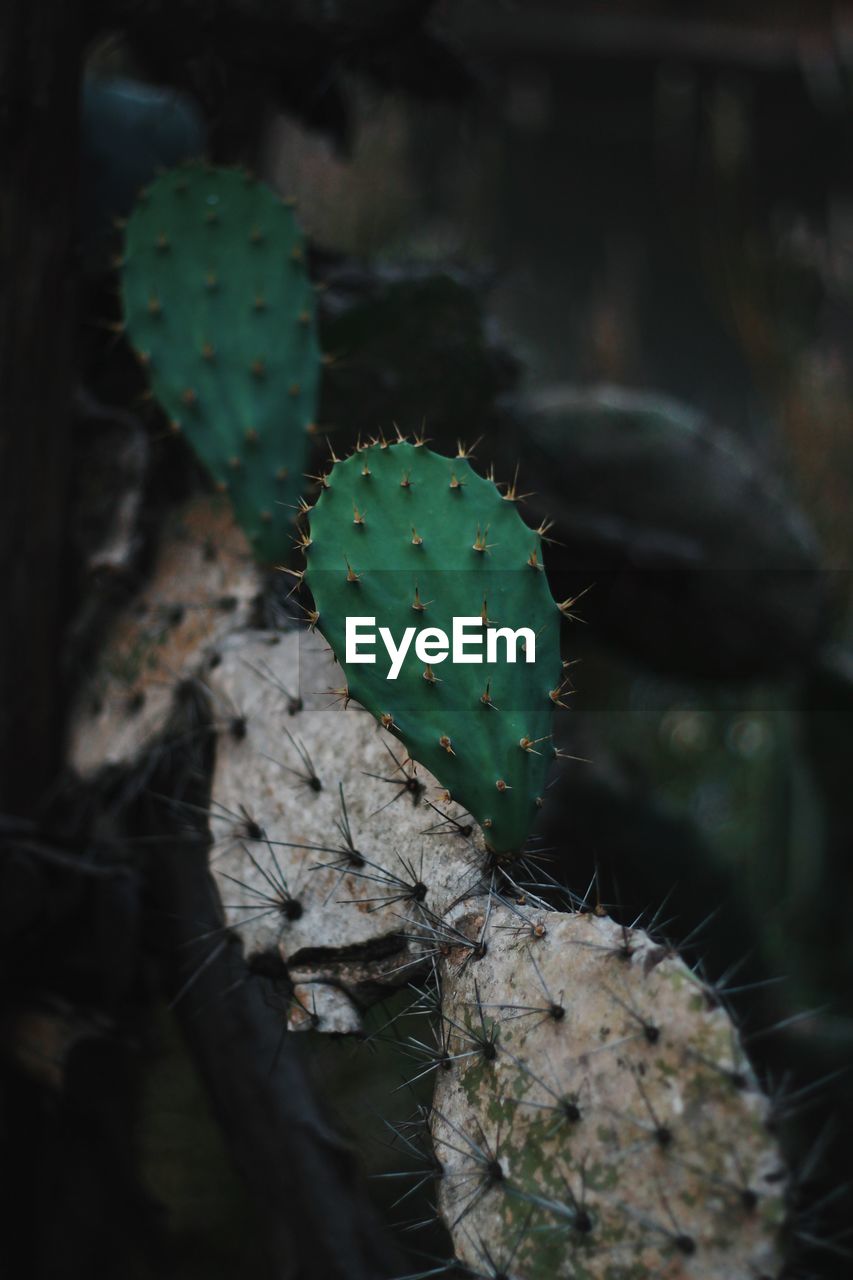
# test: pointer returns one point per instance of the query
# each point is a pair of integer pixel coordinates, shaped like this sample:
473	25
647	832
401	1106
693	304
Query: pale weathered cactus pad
605	1124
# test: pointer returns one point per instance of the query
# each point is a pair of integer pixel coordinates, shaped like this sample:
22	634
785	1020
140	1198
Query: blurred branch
40	60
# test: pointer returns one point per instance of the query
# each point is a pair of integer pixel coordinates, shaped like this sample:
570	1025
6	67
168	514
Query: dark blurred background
614	241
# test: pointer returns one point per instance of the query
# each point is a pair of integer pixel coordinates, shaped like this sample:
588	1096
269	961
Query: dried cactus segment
330	848
613	1127
202	586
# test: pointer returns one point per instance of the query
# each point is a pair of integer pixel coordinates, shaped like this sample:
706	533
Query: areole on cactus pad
220	310
409	538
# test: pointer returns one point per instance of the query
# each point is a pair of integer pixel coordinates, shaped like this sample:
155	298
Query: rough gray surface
202	586
603	1121
326	839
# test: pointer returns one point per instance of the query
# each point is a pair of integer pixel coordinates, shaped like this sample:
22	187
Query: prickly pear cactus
304	796
220	310
412	539
203	584
598	1116
594	1114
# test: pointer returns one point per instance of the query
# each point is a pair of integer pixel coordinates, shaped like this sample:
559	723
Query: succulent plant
220	310
600	1118
202	585
415	540
595	1113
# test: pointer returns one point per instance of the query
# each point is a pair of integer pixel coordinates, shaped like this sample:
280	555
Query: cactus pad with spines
412	538
601	1119
219	307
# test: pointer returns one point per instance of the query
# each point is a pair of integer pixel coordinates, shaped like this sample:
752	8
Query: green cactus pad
414	539
220	309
